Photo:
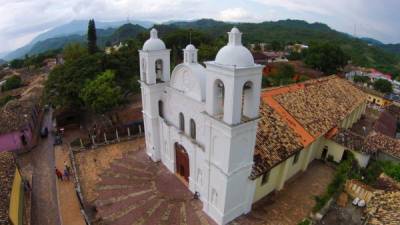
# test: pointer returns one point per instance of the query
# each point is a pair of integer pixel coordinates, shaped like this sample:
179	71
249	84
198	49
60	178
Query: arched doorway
345	155
182	162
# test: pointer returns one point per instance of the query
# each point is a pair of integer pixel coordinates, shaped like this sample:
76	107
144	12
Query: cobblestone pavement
292	204
135	190
44	195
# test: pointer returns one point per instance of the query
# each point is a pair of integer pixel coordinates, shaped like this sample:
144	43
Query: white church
197	124
206	124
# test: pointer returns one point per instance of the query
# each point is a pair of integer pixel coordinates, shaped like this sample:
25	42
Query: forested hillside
209	35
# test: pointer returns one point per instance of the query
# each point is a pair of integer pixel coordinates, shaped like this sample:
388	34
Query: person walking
59	174
67	167
66	174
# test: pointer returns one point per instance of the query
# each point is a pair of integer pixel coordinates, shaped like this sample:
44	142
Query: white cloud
235	14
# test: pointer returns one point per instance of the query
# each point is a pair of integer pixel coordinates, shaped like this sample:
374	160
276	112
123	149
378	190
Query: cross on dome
153	33
235	37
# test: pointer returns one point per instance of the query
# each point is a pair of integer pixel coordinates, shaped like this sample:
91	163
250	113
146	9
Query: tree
73	51
65	82
281	74
12	83
360	79
276	46
102	94
17	63
326	57
383	86
92	37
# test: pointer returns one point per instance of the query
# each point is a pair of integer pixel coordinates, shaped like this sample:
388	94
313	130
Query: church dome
234	53
153	43
190	47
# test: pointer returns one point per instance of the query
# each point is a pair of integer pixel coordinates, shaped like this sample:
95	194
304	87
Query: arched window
181	122
159	70
161	109
192	129
143	70
247	98
219	90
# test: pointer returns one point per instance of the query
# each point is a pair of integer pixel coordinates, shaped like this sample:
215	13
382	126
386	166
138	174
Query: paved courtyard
135	190
295	202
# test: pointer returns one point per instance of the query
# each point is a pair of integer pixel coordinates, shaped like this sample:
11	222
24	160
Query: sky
22	20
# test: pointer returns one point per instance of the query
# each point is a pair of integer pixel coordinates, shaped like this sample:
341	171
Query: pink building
19	124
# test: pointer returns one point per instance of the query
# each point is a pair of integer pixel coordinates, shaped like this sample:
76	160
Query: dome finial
235	37
153	33
190	54
234	53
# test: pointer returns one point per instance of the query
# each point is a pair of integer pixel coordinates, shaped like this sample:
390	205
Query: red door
182	162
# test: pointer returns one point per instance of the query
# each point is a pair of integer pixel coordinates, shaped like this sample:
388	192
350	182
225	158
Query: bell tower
154	76
233	87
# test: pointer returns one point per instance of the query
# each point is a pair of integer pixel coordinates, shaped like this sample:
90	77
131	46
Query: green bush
12	83
383	86
343	172
360	79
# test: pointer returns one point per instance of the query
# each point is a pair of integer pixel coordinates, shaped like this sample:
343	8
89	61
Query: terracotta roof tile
7	172
379	142
309	109
322	104
12	114
384	208
275	141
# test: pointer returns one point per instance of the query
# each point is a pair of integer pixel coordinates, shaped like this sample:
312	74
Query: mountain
125	32
112	35
371	41
2	61
76	27
394	48
54	43
361	52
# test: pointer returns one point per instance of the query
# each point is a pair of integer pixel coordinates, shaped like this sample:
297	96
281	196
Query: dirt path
69	203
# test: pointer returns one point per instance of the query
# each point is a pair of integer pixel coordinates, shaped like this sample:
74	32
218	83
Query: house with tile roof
20	121
11	191
296	126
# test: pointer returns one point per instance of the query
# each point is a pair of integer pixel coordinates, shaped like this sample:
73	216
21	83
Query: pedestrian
59	174
66	174
67	167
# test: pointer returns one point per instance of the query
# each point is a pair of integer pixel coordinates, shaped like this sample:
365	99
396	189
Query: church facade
201	122
227	140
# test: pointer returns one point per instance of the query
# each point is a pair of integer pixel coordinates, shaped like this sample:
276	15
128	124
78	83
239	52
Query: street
44	194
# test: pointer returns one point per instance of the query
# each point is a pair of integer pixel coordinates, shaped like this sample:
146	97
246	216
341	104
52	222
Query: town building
20	121
296	48
11	191
207	125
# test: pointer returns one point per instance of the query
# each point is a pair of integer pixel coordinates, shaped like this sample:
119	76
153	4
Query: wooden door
182	162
